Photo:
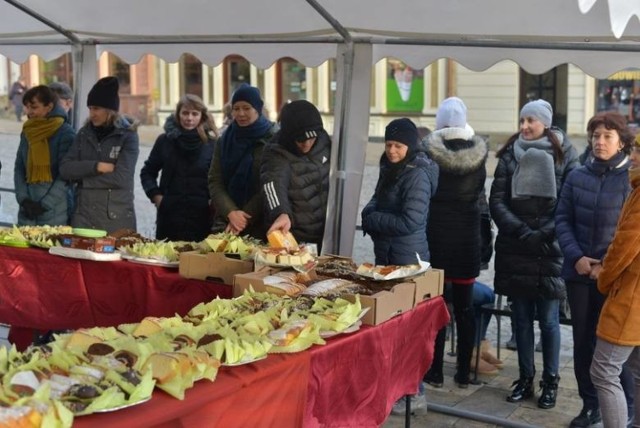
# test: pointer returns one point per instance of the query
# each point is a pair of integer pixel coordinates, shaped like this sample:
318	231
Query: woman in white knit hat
453	230
531	169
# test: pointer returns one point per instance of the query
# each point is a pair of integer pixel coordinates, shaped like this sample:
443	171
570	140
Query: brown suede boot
483	366
487	355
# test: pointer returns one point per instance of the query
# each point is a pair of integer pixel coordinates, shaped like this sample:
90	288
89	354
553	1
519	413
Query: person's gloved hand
32	209
533	239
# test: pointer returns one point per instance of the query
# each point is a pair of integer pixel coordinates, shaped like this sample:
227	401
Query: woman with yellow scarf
45	139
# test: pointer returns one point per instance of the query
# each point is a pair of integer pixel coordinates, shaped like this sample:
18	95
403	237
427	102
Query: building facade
151	88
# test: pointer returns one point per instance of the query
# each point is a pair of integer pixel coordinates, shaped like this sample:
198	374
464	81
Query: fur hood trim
460	161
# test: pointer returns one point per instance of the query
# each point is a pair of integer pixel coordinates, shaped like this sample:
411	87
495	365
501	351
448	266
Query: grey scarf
535	174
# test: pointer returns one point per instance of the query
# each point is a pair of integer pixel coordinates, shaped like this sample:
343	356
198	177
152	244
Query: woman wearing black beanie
234	176
102	163
295	174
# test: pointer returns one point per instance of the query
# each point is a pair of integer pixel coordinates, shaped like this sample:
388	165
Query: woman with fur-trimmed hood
453	230
102	161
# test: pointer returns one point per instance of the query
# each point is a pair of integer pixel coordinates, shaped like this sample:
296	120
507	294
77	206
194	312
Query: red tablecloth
352	381
356	379
268	393
42	291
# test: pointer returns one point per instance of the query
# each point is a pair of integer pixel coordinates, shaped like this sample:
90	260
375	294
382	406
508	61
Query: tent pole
85	71
348	154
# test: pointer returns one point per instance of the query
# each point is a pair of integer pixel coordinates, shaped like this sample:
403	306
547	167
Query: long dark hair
558	153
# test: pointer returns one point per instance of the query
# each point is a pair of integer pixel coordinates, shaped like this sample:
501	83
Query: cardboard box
243	281
428	285
383	305
213	266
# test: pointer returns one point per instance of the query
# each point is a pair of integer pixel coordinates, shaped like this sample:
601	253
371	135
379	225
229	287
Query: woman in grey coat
102	162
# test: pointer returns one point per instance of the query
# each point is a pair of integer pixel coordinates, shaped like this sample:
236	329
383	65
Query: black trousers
461	296
586	303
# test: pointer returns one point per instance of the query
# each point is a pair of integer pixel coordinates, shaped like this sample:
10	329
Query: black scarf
101	131
188	142
601	167
236	153
389	172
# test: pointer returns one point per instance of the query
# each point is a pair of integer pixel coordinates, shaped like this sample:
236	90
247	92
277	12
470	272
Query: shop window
120	69
333	84
191	72
237	71
550	86
57	70
292	80
405	87
621	93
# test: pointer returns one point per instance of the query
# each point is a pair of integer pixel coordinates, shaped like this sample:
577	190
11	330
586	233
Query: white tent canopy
358	33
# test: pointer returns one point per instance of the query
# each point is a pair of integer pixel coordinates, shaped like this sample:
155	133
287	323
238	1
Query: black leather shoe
523	390
433	379
462	382
549	385
586	418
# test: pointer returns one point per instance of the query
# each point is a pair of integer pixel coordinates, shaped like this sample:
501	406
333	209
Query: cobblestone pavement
488	398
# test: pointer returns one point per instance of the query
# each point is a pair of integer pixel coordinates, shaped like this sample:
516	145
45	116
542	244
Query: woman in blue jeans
531	168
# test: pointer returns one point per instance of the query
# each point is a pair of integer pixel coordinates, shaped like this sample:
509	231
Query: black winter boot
549	385
523	390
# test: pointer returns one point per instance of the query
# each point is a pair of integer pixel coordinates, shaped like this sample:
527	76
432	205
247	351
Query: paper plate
152	262
90	233
76	253
113	409
244	361
17	244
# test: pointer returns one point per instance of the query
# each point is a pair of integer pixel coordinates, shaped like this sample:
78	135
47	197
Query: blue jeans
482	295
548	311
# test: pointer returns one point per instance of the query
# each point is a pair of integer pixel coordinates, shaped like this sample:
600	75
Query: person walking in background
102	162
183	154
46	138
396	216
18	88
618	330
234	176
531	168
295	174
586	219
453	229
65	98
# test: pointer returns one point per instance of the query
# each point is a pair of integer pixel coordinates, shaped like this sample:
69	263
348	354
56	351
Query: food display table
352	381
42	292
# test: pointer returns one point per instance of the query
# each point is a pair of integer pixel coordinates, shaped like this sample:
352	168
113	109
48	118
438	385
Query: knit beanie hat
299	121
250	95
540	109
105	94
452	113
404	131
63	90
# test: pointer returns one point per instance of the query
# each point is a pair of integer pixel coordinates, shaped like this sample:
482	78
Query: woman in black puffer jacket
531	169
295	174
183	154
453	230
